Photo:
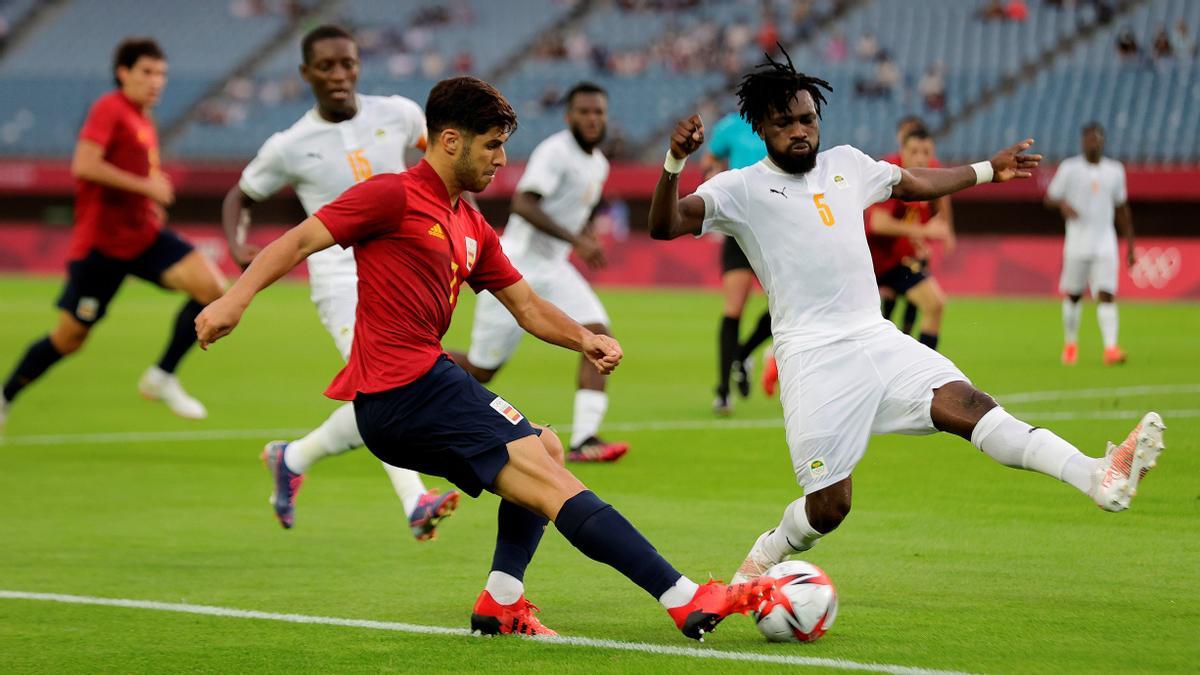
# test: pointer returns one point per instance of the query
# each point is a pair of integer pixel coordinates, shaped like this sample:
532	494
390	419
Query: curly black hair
772	85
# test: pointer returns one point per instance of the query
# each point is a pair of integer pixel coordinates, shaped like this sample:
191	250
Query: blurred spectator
1013	10
1127	46
993	9
768	34
1181	40
1162	47
932	87
867	47
432	65
577	47
835	48
884	81
1016	10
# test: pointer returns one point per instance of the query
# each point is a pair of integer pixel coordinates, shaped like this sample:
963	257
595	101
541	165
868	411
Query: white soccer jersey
570	182
322	159
806	240
1094	191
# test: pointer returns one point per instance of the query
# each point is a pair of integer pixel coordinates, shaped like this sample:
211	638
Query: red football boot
714	601
595	449
770	376
491	618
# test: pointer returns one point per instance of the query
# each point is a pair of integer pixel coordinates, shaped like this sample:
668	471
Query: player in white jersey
1089	190
845	371
552	212
344	139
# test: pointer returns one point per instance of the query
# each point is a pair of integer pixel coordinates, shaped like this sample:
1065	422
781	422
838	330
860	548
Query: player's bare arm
884	223
1062	207
88	164
548	323
670	216
235	221
277	259
1124	218
527	204
925	184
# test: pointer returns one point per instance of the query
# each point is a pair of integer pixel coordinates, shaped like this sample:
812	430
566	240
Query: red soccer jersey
117	223
888	251
413	252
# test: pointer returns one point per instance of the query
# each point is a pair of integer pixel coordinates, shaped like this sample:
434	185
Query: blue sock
183	336
602	534
517	535
37	359
929	340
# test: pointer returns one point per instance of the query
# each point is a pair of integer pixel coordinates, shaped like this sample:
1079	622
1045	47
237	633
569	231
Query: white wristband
673	164
983	172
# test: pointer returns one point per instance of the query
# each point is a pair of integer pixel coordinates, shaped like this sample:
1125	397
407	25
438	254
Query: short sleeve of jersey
1120	193
1058	185
101	122
492	271
724	202
720	146
265	174
540	175
365	210
414	120
876	178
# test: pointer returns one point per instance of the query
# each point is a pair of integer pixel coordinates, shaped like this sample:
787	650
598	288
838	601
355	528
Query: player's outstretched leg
66	338
289	462
591	403
532	479
804	522
1111	481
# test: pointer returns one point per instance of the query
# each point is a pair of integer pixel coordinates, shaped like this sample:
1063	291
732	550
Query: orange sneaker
1125	465
714	601
770	376
1114	356
491	618
1070	354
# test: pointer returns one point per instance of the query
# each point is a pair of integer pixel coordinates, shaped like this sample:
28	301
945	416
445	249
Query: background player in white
1089	190
845	371
345	139
552	212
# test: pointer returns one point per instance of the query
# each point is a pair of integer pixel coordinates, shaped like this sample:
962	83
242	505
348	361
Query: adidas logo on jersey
437	231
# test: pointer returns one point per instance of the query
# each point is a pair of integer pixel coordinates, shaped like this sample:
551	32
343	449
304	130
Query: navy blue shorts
443	424
903	277
732	256
93	280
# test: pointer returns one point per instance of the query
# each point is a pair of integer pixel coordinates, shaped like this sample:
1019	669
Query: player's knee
825	514
69	339
483	375
553	445
978	401
1075	298
1104	296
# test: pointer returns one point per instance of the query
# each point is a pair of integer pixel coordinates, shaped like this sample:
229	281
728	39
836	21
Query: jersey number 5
823	209
360	165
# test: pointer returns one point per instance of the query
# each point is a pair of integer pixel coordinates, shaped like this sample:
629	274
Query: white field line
643	647
665	425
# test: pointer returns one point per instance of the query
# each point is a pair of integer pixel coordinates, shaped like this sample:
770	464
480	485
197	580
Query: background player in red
897	233
416	245
120	199
944	209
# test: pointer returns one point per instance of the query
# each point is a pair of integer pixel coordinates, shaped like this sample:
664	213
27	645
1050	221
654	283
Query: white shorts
336	299
1099	274
835	396
495	333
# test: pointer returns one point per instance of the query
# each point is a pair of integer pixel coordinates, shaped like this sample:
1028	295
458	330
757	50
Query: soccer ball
802	606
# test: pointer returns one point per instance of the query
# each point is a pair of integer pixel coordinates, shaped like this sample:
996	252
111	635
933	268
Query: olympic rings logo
1156	267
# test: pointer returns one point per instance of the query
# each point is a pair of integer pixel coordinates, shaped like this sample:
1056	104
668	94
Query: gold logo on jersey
380	133
840	181
437	231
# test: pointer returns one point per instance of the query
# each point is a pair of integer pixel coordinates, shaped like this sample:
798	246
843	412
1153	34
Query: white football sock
337	434
407	484
793	535
1014	443
1106	316
680	594
590	406
1071	311
504	587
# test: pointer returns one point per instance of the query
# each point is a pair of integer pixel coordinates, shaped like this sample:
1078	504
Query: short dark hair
913	120
322	32
469	105
772	85
583	88
1092	126
133	48
920	133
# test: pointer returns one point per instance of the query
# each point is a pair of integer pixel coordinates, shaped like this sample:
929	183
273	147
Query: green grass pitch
948	560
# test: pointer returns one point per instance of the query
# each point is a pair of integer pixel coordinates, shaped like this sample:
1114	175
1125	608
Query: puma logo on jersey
437	231
314	155
780	192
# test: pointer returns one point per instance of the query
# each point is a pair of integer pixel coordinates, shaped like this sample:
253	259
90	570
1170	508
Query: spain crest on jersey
472	251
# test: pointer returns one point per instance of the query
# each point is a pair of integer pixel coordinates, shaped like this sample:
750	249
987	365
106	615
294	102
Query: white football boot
757	561
159	385
1124	466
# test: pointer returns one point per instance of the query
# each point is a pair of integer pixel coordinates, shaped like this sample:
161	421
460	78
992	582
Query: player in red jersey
417	243
897	233
944	209
120	197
